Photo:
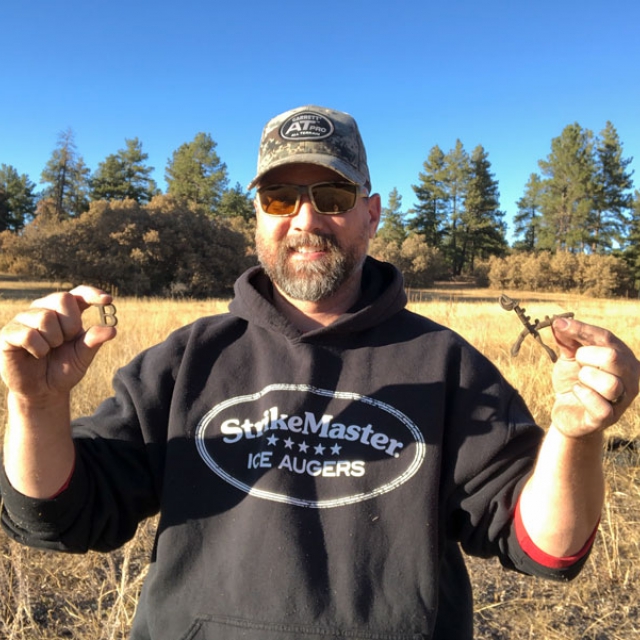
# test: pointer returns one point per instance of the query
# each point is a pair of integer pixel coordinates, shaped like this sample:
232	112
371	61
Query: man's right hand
45	352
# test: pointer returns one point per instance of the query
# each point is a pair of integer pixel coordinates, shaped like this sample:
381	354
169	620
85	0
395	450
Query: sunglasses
328	198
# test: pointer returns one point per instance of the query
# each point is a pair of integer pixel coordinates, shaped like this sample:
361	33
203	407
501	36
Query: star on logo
336	449
272	440
303	447
288	443
319	449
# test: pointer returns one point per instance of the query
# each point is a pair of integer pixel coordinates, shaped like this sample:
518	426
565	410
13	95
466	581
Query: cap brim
330	162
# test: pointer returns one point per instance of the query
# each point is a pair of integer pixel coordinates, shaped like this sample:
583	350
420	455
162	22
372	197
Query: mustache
320	241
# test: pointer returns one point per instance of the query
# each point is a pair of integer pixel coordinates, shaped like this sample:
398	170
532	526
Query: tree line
194	172
581	202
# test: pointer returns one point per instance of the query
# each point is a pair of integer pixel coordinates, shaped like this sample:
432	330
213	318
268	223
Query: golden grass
92	597
14	288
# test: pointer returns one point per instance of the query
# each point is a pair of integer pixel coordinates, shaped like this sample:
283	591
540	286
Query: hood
382	296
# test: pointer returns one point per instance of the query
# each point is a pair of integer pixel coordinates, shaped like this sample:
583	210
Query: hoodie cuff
541	557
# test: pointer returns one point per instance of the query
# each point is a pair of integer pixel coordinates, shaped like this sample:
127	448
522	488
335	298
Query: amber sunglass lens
334	198
279	201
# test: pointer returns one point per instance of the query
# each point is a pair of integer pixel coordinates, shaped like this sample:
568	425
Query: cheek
363	225
365	231
270	228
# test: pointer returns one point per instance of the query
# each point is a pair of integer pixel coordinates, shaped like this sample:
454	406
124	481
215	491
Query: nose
307	218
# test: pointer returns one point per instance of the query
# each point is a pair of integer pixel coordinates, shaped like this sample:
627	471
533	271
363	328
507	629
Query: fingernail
560	323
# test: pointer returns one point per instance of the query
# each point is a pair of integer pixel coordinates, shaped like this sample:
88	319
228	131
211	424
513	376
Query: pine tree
482	223
569	187
196	173
456	180
392	227
612	197
430	214
527	220
236	202
107	182
631	249
67	177
17	199
124	175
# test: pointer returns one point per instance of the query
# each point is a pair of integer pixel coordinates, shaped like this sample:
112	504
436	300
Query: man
318	455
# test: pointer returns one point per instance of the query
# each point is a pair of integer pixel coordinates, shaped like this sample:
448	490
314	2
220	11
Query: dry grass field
45	596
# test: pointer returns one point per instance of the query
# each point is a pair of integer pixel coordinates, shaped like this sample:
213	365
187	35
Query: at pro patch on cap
307	125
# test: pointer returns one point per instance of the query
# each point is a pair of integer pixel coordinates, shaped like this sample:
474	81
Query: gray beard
313	281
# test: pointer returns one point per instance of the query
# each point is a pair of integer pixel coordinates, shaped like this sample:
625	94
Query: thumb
91	342
566	334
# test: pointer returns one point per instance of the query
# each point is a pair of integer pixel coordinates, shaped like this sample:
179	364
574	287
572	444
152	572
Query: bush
481	273
419	263
161	248
592	274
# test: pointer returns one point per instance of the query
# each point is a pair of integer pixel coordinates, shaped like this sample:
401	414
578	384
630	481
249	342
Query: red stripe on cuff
537	554
66	484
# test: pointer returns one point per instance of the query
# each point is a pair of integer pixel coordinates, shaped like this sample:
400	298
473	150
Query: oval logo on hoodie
310	447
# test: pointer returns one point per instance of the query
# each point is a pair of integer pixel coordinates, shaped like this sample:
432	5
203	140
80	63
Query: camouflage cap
314	135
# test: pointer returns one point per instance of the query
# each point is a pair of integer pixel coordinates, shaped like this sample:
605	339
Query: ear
375	211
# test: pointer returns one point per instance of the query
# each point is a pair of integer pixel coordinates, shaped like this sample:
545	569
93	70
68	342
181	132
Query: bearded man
319	457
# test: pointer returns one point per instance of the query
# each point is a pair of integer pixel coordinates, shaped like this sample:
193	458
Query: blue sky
507	75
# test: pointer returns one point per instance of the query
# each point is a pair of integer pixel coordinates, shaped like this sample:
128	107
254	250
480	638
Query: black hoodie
310	485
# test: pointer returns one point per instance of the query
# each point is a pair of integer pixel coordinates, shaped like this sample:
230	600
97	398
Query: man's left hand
595	379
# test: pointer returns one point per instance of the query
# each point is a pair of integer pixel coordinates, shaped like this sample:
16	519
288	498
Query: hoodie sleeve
492	442
118	473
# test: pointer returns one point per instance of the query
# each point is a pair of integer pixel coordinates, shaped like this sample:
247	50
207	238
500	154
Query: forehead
300	174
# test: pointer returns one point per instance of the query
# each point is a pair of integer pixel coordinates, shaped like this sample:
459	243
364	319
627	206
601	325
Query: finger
87	296
605	358
567	344
605	384
97	335
619	362
36	330
63	309
52	320
17	336
92	341
571	334
599	412
70	305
